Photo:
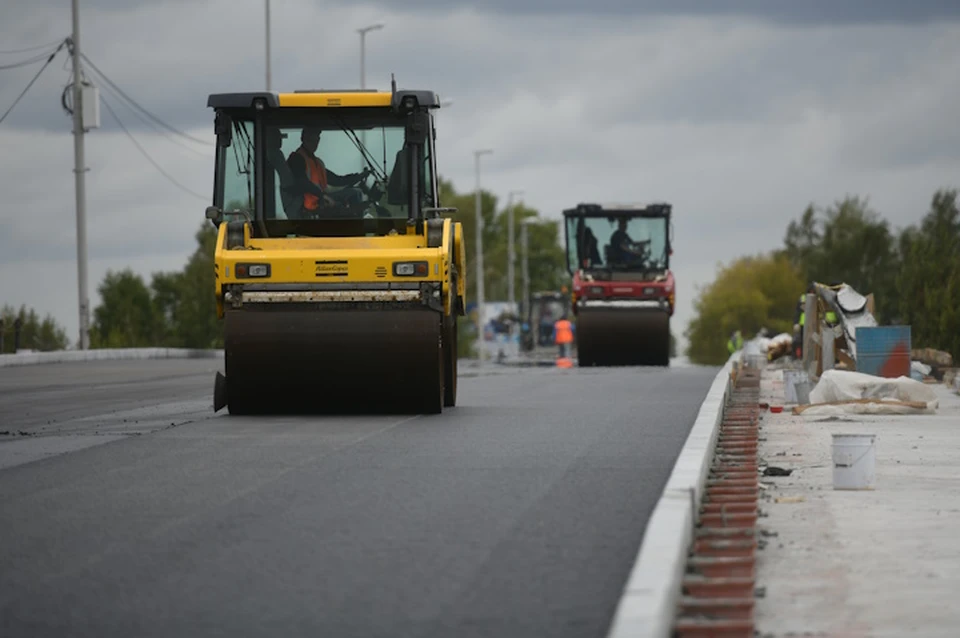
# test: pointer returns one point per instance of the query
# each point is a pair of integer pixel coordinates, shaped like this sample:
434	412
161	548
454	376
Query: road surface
128	508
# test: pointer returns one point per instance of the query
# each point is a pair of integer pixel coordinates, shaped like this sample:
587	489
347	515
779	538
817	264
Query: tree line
913	272
32	332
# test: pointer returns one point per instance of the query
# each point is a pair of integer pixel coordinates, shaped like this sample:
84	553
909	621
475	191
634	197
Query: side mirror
417	128
214	214
223	127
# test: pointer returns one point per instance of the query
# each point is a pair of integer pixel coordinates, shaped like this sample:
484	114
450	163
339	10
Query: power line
146	121
135	105
33	60
33	48
147	155
24	92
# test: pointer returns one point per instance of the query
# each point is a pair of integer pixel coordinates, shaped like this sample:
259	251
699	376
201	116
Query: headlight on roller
410	269
245	271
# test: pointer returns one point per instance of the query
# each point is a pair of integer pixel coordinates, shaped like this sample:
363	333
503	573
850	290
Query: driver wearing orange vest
563	335
311	176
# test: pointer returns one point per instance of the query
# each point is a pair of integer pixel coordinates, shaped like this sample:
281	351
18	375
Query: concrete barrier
648	605
105	354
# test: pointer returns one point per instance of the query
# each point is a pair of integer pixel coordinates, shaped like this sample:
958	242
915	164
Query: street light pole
79	171
267	24
363	52
525	269
479	232
511	254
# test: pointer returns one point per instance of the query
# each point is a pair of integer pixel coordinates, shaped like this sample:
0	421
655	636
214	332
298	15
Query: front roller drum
623	337
281	360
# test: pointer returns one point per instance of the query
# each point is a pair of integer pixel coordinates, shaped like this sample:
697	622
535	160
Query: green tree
749	294
929	280
546	261
178	309
125	317
35	333
849	244
167	288
195	320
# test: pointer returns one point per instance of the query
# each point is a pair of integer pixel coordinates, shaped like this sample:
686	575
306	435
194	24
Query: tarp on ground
846	391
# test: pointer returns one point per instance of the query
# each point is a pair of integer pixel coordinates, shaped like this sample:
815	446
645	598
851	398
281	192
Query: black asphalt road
128	509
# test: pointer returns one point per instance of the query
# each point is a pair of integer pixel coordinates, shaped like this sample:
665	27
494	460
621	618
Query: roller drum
613	336
300	359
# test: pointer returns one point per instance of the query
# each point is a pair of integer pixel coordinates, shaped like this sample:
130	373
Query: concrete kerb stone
648	605
106	354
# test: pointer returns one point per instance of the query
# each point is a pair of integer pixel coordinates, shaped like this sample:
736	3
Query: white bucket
854	459
791	379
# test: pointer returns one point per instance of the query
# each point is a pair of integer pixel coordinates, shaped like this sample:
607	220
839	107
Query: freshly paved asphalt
127	508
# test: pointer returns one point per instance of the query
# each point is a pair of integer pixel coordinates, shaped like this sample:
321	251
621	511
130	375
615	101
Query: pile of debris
932	366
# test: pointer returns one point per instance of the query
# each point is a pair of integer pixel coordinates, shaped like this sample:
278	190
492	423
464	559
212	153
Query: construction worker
313	178
801	319
563	335
735	342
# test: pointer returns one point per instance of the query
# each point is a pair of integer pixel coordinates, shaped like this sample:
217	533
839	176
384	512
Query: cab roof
322	99
653	209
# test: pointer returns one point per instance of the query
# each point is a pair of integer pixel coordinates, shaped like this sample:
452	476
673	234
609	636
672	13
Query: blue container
884	351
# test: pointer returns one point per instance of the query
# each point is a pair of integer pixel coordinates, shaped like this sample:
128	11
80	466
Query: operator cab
372	153
617	241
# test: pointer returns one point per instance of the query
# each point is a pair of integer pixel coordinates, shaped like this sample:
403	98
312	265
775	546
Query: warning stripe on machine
331	268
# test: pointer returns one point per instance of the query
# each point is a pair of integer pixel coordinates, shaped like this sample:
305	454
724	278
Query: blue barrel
884	351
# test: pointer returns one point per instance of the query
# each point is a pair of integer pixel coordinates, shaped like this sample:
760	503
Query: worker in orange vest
563	335
312	176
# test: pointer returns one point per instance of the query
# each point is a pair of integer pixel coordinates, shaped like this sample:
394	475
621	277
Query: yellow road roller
338	275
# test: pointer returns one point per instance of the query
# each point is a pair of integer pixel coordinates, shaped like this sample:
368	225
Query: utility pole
363	52
479	232
511	253
268	42
79	170
511	260
525	269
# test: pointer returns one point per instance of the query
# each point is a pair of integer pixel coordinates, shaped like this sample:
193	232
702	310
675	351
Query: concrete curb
648	605
106	354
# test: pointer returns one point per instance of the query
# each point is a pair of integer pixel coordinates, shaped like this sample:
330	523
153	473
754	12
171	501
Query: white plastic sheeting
851	308
845	392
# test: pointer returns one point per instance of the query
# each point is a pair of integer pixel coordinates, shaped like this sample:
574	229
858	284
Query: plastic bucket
854	460
792	379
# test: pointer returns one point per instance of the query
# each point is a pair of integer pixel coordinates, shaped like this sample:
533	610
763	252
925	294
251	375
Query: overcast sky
738	113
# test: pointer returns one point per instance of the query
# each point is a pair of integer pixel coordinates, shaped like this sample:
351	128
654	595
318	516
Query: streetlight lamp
363	36
479	232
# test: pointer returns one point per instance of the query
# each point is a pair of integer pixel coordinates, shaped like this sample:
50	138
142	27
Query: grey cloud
784	11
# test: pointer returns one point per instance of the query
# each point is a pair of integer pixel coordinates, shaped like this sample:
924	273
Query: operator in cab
312	178
623	250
